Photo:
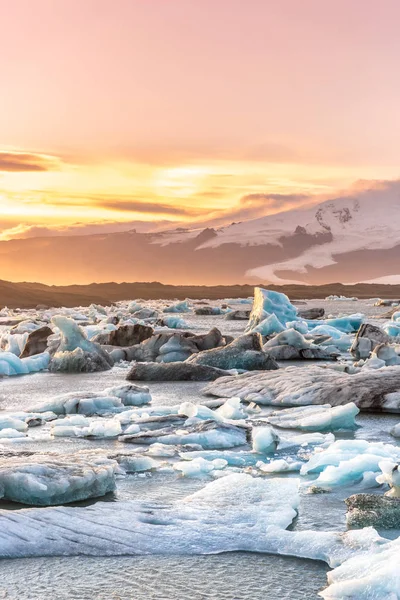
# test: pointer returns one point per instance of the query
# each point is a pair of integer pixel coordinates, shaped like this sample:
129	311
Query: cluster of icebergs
265	438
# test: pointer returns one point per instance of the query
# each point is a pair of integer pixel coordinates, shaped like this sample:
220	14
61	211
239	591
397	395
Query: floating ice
232	409
229	514
207	434
12	365
265	441
280	466
294	386
391	476
348	324
179	307
374	575
348	462
268	302
269	326
175	323
316	418
199	467
76	354
43	481
111	400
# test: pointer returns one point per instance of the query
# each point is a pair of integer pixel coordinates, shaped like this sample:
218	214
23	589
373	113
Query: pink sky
193	102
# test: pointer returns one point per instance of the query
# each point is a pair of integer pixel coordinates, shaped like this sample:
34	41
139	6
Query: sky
144	113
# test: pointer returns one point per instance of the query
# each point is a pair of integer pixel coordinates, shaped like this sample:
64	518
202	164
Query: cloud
25	231
253	206
149	208
18	162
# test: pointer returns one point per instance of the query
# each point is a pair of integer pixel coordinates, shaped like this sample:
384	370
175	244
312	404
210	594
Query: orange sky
185	110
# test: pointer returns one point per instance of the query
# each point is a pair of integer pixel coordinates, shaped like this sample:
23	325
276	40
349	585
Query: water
233	576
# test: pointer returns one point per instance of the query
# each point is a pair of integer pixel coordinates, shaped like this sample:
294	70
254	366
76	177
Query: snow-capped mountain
349	239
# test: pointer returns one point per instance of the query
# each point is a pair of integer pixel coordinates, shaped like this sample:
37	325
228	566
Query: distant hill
29	295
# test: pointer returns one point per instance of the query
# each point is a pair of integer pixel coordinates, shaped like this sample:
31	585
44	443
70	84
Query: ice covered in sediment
111	400
199	467
228	514
207	434
245	352
269	326
75	353
10	364
390	476
294	386
347	462
41	480
316	418
374	575
265	440
179	307
268	302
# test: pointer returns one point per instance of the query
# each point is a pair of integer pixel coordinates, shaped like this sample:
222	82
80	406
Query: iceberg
112	400
316	418
265	440
369	389
268	302
207	434
44	481
10	364
198	467
179	307
269	326
233	513
77	354
373	575
348	462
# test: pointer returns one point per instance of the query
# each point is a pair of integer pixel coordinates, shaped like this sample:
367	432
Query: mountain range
350	239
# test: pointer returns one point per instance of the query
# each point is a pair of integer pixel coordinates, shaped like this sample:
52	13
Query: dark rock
238	315
36	342
173	371
145	313
207	311
311	313
373	510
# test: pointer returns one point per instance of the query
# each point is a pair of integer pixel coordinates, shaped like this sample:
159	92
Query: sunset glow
175	111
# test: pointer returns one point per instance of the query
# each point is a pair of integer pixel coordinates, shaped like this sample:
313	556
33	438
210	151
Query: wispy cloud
144	207
20	162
